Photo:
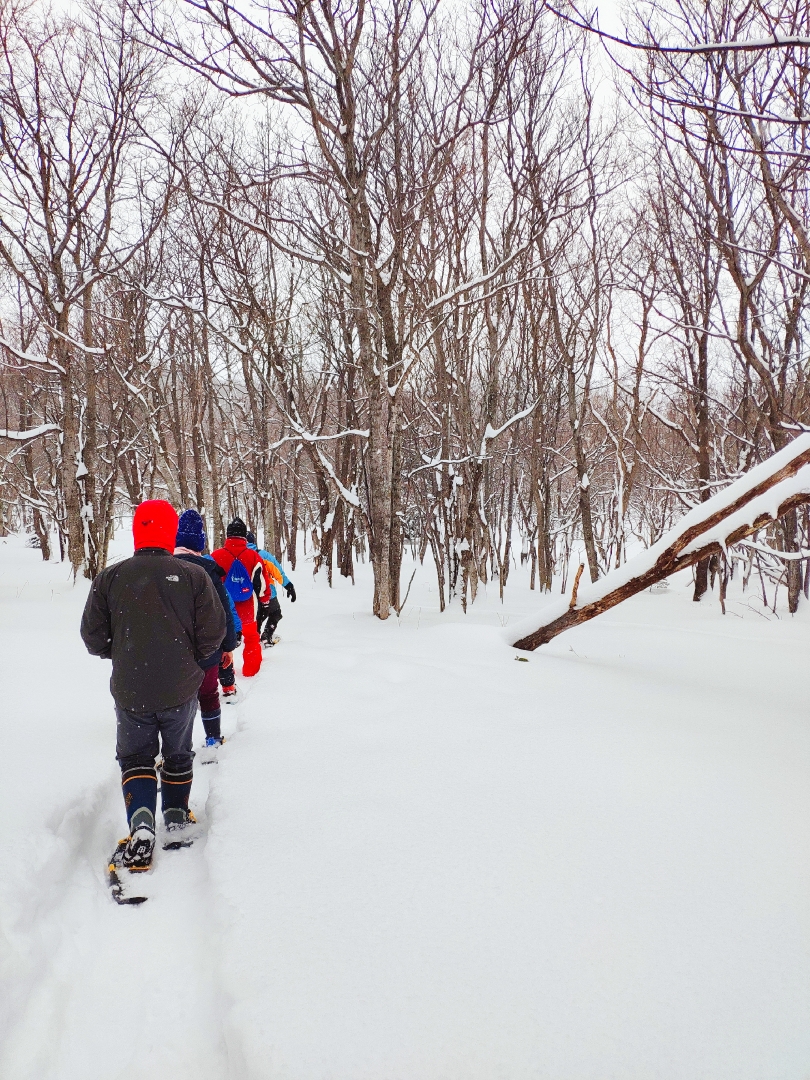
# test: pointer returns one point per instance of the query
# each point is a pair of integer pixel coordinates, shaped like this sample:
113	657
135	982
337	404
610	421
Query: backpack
238	582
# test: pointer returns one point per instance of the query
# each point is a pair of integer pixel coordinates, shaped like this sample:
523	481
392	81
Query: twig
407	594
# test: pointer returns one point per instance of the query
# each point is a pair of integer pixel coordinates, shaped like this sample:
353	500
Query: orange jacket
273	571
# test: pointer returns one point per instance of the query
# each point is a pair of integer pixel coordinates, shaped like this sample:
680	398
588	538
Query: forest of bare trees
466	280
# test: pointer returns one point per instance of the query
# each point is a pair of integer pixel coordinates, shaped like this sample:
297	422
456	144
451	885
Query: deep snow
422	860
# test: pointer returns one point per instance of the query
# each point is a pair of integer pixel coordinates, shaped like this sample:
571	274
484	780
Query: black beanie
237	528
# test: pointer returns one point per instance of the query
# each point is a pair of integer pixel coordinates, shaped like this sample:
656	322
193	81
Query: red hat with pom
155	525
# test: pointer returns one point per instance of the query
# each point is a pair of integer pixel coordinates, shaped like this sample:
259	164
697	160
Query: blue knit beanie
190	531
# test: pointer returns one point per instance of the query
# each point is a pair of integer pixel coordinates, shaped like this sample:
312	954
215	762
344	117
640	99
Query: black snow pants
268	617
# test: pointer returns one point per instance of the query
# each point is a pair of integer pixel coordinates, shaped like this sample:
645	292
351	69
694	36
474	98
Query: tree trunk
71	456
397	534
704	468
40	525
90	509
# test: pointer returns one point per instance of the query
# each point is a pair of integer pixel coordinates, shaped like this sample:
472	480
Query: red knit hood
155	525
236	545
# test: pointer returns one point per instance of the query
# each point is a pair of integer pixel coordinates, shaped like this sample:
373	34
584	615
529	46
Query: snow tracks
93	990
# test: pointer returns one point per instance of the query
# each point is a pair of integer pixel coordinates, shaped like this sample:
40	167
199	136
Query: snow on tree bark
771	490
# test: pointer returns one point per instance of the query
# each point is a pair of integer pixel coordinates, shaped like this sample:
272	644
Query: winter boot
271	620
211	723
175	788
177	817
208	754
227	679
139	787
137	855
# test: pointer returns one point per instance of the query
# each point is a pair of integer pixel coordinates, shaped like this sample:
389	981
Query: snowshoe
229	693
177	817
208	754
115	883
270	642
137	853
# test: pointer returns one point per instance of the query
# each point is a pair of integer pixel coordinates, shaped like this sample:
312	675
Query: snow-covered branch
31	433
762	495
493	433
31	358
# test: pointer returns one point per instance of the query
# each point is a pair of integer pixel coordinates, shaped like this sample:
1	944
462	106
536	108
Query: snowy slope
422	860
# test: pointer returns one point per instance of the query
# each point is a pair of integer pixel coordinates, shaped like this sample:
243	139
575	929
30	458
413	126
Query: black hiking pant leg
271	617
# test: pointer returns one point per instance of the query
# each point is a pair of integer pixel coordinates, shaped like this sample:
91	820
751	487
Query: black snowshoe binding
177	820
137	855
117	886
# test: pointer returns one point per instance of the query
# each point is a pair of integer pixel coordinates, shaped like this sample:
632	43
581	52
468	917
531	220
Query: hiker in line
269	614
227	673
245	579
189	546
161	622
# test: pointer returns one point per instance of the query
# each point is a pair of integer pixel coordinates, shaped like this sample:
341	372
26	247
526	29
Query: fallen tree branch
573	602
761	496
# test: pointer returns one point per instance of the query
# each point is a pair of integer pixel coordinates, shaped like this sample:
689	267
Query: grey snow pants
141	737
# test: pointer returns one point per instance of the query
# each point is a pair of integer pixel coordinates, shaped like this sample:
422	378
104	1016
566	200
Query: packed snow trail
422	860
89	988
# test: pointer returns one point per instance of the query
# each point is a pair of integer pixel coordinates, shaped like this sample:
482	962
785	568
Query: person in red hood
161	623
245	577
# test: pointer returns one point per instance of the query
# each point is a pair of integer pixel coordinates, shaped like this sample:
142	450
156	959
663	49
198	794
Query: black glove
289	588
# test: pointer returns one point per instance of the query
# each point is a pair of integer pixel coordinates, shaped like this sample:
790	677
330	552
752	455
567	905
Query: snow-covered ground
422	860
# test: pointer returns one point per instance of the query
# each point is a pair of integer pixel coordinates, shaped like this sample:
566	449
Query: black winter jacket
217	575
157	618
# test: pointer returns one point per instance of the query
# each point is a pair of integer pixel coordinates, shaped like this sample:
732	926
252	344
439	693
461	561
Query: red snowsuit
236	548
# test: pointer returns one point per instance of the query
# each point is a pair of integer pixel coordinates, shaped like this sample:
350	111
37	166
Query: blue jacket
214	572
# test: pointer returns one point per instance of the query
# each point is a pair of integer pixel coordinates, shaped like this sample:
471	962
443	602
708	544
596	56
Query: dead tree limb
573	602
765	494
